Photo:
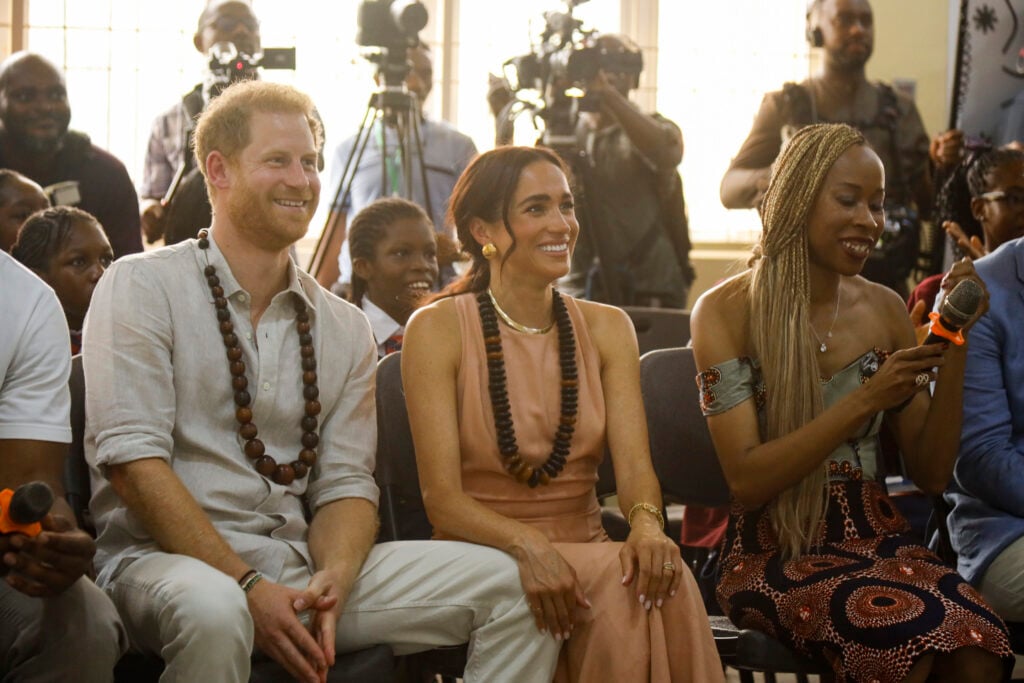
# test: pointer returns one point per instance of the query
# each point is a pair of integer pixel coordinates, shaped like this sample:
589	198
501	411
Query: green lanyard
392	162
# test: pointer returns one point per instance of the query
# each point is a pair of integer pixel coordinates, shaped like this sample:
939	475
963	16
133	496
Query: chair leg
746	676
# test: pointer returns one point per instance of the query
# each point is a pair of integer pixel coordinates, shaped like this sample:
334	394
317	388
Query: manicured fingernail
660	602
624	579
558	637
672	594
643	599
299	604
647	605
565	636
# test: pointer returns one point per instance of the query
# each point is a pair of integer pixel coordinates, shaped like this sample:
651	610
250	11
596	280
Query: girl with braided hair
394	265
68	249
800	361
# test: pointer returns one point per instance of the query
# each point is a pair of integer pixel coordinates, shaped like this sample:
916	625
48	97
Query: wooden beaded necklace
498	389
254	449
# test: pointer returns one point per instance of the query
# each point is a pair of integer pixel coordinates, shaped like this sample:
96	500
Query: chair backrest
403	516
659	328
684	456
77	488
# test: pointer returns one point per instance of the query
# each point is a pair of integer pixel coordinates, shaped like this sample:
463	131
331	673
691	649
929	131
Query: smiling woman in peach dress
513	391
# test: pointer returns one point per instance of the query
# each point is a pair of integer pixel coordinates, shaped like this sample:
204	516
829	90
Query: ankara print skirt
869	601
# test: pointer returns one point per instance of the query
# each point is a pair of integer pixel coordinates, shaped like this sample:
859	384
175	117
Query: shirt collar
298	282
383	324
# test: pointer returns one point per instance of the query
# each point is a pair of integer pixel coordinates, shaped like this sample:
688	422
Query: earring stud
489	251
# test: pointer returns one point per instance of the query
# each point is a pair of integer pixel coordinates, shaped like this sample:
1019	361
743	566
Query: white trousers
74	636
1002	586
411	595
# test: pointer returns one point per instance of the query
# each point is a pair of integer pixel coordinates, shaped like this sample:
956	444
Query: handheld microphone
956	310
22	509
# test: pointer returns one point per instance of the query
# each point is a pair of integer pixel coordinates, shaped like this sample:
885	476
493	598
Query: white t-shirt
35	358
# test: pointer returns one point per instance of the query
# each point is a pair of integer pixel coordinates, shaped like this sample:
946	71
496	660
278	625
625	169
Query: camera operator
446	152
841	93
222	21
634	188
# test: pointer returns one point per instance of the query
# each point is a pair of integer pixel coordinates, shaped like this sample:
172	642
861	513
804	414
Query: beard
253	214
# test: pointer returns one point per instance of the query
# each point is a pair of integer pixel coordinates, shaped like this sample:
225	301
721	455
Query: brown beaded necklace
498	389
254	449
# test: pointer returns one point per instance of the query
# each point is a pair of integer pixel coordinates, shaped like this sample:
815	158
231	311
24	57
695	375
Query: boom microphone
956	310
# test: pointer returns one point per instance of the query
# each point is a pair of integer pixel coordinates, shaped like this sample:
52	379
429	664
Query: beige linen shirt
158	385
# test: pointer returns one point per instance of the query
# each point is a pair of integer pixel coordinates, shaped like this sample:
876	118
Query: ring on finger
922	379
669	567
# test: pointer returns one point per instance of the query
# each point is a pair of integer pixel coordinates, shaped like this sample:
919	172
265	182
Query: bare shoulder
602	318
434	329
720	321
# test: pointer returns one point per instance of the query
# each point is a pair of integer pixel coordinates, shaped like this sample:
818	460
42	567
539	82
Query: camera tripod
394	107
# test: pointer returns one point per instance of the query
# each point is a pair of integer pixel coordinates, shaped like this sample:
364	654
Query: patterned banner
988	92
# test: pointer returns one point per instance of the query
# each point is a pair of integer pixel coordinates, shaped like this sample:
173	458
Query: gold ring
669	567
922	379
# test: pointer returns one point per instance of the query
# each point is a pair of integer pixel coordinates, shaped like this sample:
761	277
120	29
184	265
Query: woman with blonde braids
801	361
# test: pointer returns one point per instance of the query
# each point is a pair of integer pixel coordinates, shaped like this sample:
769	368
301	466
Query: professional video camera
228	64
391	26
558	68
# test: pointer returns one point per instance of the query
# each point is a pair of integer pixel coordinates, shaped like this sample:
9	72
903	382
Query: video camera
228	64
391	26
563	61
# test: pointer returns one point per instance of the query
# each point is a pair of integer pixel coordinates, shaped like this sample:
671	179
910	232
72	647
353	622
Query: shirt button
241	297
248	335
266	386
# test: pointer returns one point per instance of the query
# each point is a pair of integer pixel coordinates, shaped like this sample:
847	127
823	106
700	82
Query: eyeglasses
1013	199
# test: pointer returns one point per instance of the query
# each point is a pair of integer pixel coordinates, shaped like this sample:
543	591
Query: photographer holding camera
637	253
167	154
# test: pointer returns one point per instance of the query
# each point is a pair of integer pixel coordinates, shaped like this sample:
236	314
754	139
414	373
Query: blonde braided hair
780	316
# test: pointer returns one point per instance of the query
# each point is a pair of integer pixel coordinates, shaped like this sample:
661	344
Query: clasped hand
306	654
645	558
46	565
552	589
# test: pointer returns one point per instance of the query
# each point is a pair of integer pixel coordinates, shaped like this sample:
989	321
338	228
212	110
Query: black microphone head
962	303
31	502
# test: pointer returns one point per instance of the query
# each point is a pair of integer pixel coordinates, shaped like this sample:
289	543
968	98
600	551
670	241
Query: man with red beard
235	503
841	93
35	141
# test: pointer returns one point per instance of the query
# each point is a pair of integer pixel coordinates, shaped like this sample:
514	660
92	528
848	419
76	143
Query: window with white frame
128	60
715	63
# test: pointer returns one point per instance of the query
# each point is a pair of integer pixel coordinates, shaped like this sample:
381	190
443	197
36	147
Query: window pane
711	83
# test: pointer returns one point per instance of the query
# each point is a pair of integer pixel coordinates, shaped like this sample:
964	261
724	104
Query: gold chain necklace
518	327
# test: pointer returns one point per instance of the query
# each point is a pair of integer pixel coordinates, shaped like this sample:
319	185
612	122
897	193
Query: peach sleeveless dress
616	640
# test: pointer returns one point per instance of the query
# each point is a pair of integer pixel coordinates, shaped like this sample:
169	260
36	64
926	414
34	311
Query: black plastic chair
659	328
371	665
689	472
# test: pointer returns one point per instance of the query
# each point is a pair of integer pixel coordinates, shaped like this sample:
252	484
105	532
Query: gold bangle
646	507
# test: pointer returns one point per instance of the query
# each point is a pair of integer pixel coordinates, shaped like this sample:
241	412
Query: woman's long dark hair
485	190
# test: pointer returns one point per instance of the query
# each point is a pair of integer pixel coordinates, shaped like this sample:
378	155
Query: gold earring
489	251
